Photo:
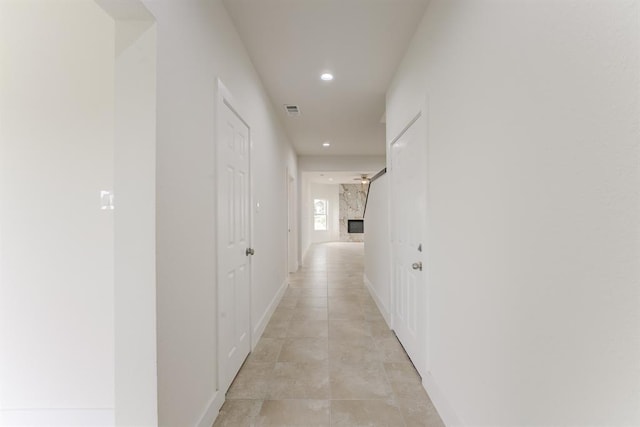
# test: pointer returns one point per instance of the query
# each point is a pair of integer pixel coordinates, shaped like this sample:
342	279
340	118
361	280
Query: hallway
327	357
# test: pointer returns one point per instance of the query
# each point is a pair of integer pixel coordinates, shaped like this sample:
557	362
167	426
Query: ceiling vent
292	110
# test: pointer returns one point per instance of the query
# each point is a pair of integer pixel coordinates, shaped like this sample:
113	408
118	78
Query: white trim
446	412
211	412
383	310
266	316
67	417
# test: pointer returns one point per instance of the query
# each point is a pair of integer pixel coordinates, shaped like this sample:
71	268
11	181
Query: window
320	215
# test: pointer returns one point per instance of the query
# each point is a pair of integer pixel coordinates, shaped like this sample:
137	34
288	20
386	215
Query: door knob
417	265
249	251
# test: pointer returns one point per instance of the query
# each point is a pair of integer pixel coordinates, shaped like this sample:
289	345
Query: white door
408	189
292	235
234	278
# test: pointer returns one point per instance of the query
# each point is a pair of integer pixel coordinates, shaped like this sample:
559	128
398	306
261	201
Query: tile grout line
393	393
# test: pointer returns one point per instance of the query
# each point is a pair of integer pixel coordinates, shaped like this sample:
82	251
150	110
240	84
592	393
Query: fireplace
355	226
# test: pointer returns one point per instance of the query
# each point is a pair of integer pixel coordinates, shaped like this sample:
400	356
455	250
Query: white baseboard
383	310
211	412
446	412
304	254
69	417
266	316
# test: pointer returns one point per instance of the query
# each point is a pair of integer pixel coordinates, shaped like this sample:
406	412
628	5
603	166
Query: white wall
309	191
328	192
82	289
341	163
533	178
57	248
198	43
377	249
135	227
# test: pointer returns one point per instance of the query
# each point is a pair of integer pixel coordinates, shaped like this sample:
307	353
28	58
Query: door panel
234	283
408	180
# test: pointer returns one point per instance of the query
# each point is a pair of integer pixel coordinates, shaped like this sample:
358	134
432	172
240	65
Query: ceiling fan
364	179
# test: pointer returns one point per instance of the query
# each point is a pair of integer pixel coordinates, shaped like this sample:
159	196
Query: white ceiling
292	42
337	177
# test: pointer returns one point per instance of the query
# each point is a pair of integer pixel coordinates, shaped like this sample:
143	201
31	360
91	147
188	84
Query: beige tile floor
327	357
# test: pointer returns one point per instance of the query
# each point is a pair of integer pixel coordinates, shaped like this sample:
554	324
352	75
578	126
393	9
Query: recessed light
327	77
326	144
330	179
